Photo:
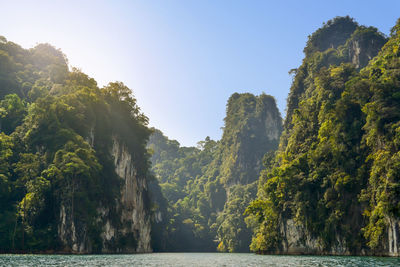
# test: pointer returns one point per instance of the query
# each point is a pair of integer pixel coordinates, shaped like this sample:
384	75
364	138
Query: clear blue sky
183	59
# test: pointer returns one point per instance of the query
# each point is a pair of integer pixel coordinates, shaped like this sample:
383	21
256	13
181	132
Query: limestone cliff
125	224
209	187
297	240
135	216
392	243
77	182
353	44
330	188
253	126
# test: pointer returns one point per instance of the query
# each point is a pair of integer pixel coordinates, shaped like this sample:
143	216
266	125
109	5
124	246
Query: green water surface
192	259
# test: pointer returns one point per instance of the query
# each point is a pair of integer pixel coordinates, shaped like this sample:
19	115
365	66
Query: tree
12	112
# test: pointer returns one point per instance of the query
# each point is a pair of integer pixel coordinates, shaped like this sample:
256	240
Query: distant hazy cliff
209	187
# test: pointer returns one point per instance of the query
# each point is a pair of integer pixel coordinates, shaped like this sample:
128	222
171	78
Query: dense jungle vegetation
56	132
208	187
329	172
336	173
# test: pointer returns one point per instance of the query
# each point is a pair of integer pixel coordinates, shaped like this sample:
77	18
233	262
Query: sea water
192	259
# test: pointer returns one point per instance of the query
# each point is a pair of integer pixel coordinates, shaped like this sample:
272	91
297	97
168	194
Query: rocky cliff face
78	180
363	45
328	190
296	241
69	236
125	225
253	126
393	238
135	218
358	46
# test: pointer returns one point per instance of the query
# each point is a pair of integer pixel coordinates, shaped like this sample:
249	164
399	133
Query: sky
183	59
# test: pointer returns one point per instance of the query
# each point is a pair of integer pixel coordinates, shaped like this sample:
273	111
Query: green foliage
12	112
56	134
382	136
335	32
209	187
233	233
336	172
178	169
264	221
20	68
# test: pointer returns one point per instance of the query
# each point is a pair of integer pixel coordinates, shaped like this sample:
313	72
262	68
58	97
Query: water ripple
192	259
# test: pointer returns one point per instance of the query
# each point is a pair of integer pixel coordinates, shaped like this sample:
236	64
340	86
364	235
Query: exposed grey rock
133	221
134	216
